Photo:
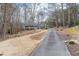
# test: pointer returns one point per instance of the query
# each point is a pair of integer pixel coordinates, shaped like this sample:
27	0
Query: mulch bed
73	48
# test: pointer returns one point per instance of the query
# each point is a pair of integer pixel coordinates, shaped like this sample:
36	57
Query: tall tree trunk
56	16
63	15
68	15
25	14
75	15
4	21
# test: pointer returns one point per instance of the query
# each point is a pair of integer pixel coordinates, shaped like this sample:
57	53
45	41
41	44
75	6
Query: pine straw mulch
21	46
73	48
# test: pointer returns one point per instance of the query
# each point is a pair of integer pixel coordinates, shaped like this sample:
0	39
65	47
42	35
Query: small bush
68	35
61	29
1	54
72	42
57	29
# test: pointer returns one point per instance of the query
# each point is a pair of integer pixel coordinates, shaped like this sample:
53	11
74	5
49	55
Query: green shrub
77	23
72	42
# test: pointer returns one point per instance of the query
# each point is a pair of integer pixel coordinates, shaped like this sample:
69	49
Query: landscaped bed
71	39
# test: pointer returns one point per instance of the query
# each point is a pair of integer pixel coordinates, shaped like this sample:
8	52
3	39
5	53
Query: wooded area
65	14
16	17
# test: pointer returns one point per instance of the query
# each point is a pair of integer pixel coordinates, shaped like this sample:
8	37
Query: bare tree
7	11
63	15
68	6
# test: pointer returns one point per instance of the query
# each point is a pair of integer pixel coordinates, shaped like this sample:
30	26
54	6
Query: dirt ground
66	36
21	45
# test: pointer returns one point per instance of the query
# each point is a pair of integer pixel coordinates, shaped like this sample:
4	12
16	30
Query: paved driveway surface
52	45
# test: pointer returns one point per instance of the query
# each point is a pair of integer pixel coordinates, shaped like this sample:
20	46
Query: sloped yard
22	45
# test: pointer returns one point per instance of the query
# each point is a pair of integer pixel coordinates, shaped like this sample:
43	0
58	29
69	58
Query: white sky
40	7
39	1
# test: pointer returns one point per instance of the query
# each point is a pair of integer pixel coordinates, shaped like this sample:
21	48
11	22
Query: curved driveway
52	45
